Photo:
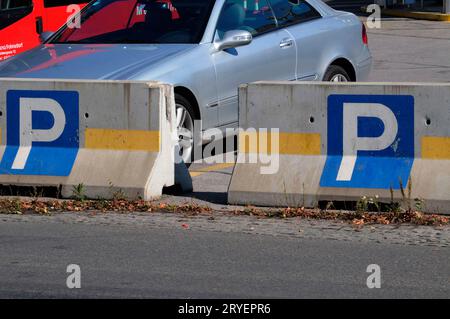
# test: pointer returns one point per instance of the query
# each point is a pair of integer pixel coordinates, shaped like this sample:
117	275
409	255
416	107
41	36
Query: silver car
205	48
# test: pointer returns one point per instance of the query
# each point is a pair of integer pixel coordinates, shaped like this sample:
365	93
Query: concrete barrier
111	137
339	142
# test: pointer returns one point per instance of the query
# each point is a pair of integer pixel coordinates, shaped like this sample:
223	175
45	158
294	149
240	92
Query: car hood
100	61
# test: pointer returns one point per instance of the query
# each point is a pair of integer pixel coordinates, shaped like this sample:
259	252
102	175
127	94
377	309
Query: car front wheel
336	73
185	128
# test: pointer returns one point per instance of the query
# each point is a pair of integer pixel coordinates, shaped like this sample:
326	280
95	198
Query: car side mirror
44	36
233	39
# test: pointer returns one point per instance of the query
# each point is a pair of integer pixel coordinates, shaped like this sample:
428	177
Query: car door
270	56
302	21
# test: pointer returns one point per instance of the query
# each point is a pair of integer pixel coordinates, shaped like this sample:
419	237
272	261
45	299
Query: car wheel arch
189	95
346	65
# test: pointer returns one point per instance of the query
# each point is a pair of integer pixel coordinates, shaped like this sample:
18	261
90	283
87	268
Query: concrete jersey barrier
340	142
108	136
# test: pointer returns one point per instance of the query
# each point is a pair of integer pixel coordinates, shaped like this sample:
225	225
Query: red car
22	22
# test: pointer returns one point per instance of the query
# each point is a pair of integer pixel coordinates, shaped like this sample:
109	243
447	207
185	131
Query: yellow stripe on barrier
288	143
435	147
122	139
209	169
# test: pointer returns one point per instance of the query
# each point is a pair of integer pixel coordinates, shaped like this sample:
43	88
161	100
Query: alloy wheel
339	78
185	132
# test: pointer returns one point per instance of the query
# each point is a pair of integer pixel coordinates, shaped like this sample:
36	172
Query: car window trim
320	16
278	27
302	21
287	26
254	36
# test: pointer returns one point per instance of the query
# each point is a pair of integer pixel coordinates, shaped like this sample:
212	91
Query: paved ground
241	257
410	51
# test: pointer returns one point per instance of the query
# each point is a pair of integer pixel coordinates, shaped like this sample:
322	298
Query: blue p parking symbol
370	141
42	133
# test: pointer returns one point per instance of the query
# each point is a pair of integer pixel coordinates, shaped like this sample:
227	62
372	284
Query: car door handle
286	43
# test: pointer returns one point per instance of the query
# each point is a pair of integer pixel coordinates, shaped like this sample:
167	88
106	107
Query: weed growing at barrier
406	200
116	194
36	193
366	204
78	192
357	218
119	195
419	204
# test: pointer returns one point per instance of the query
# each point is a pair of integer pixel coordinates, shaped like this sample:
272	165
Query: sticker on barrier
370	141
42	132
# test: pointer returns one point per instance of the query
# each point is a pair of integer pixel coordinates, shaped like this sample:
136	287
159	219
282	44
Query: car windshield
138	21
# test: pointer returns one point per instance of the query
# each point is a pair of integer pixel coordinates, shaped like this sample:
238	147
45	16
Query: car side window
15	4
290	12
60	3
254	16
12	11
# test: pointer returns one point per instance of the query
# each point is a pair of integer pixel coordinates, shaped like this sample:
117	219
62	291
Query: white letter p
26	133
352	143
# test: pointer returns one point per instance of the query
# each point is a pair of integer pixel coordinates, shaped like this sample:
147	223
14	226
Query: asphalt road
131	261
407	50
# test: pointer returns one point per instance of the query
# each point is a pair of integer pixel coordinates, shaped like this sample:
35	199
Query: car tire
185	117
336	73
